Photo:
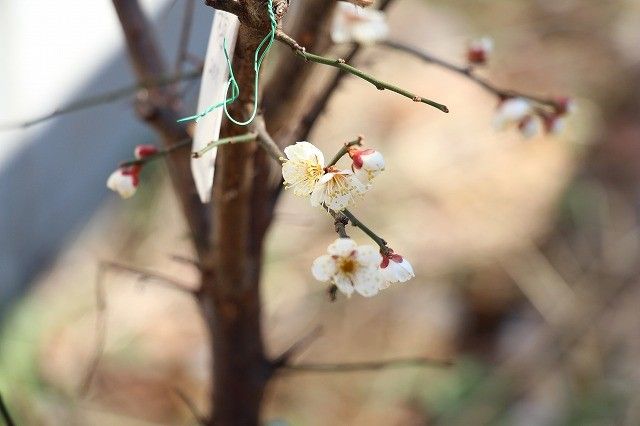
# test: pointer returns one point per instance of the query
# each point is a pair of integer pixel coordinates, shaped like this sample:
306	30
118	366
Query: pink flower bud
564	105
143	151
479	50
367	163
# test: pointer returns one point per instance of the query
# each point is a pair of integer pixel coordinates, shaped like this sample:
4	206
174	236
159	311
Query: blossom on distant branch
144	151
511	111
350	267
479	50
354	24
529	126
125	180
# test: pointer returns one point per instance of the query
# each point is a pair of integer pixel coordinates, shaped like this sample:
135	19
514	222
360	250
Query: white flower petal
122	184
397	271
342	247
529	127
344	284
304	151
511	111
324	267
368	281
368	255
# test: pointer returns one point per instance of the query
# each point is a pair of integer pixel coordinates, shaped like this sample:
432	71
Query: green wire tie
235	89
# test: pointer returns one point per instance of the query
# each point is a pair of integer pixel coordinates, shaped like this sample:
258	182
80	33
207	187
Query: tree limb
366	365
158	109
466	72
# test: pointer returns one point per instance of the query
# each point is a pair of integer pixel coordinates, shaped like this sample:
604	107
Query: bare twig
466	72
248	137
358	224
266	141
345	149
200	419
101	306
320	104
342	65
185	33
4	413
297	348
103	98
367	365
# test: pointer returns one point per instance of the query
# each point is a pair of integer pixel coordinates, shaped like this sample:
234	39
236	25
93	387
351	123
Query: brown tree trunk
229	234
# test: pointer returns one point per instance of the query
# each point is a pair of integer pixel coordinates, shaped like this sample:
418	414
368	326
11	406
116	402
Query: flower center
347	265
313	171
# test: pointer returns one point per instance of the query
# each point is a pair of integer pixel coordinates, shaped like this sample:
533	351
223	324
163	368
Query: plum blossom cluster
304	171
361	269
126	178
355	24
530	118
349	267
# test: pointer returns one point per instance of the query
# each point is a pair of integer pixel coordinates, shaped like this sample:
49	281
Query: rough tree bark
229	235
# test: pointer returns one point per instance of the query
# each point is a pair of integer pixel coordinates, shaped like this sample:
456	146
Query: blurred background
527	252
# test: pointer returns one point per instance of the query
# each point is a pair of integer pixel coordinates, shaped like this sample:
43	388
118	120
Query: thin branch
343	151
248	137
160	154
4	413
358	224
342	65
266	141
466	72
200	419
185	34
103	98
297	348
101	306
149	275
367	365
320	104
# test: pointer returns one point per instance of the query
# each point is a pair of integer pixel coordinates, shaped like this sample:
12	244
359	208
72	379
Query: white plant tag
213	89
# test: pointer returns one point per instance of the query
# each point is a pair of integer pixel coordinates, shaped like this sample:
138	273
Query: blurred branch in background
105	98
4	413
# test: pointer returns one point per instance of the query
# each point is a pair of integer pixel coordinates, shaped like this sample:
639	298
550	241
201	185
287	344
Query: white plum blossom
354	24
350	267
529	126
303	168
479	50
124	181
337	189
511	111
395	269
367	164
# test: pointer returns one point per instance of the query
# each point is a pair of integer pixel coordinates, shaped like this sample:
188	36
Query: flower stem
161	153
358	224
344	150
247	137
